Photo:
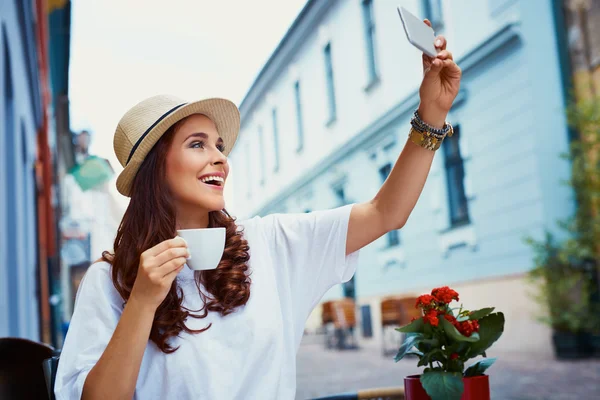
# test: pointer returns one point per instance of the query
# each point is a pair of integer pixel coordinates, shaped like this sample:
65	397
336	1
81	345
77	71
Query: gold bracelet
424	140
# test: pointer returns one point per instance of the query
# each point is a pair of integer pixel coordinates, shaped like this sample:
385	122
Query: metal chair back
21	370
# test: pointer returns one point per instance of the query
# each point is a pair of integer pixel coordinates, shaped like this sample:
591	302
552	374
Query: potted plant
583	243
567	272
444	339
563	290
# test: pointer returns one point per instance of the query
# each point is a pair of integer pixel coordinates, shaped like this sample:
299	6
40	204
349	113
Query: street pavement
513	377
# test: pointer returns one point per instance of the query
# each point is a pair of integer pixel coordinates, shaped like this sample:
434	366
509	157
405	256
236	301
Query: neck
192	219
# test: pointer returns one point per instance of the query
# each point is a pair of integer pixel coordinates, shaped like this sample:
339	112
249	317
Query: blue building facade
33	149
328	115
21	116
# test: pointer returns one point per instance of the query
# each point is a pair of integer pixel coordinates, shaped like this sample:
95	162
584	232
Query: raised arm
394	202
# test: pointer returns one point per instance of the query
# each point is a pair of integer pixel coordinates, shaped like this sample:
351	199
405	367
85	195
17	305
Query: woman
146	327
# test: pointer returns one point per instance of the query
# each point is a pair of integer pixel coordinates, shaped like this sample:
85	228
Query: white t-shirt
250	354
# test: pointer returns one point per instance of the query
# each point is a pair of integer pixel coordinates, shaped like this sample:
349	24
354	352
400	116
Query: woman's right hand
158	268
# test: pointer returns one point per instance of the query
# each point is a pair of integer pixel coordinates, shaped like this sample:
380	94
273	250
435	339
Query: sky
123	51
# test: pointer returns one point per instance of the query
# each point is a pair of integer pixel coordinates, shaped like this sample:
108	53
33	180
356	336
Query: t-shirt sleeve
98	307
311	248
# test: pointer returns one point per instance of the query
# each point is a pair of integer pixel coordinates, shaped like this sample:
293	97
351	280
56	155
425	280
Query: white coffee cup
205	245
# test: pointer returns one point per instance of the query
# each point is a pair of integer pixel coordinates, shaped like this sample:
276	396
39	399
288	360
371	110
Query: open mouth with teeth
213	181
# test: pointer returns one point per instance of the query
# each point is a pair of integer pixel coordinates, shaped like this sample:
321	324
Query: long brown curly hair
150	219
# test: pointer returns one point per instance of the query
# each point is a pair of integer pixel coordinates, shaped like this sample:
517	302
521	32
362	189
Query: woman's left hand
440	84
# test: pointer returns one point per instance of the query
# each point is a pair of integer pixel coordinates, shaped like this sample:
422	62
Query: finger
445	55
437	64
427	22
167	244
170	254
440	43
171	275
451	66
434	67
172	266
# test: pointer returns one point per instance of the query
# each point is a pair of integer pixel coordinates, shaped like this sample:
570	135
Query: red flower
468	327
444	294
431	317
424	300
454	356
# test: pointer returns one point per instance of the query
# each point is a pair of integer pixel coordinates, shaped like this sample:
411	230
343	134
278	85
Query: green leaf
455	366
490	329
434	342
427	329
414	352
414	327
455	334
423	347
484	312
479	367
457	347
443	385
409	342
426	345
434	355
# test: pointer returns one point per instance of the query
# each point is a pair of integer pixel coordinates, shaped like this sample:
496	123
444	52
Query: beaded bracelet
420	129
421	125
425	135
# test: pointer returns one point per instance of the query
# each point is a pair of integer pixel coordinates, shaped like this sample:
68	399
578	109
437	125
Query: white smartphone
418	33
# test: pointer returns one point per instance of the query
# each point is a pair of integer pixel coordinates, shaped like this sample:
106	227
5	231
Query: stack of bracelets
427	136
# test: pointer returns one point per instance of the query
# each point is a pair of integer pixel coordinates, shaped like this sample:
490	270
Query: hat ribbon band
165	115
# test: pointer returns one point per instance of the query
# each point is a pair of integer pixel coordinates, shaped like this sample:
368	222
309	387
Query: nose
218	158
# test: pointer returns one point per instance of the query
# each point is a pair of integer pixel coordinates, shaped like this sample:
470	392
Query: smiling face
196	169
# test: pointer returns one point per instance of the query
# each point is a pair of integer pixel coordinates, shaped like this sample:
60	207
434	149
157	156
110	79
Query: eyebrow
203	136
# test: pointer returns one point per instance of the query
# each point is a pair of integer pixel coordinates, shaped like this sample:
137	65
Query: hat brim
222	112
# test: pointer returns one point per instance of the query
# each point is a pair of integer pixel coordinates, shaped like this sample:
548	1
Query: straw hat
144	124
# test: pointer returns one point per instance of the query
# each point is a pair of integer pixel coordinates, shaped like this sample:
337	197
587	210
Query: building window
455	178
432	10
348	288
299	124
393	237
369	24
275	139
261	154
384	171
340	195
330	85
24	152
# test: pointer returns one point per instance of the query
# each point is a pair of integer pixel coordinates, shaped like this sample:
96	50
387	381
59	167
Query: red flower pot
476	388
